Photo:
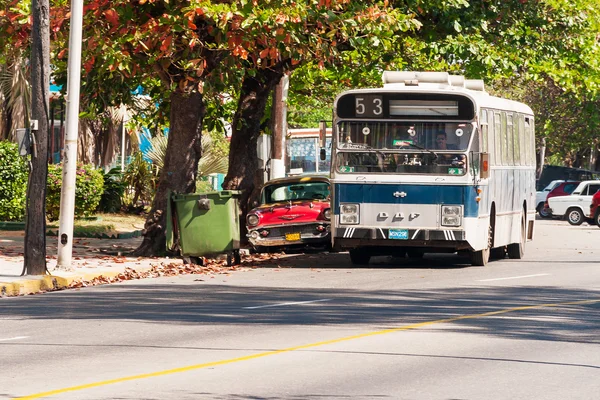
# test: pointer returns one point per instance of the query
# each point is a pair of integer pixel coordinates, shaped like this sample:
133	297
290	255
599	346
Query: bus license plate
290	237
400	234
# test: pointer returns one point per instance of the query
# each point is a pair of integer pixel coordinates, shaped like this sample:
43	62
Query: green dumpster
205	224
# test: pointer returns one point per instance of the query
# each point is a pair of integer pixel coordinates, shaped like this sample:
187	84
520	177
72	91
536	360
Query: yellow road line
306	346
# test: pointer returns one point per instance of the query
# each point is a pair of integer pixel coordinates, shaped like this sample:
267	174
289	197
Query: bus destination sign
371	105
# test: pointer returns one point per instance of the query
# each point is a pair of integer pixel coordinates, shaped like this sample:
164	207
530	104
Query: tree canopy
201	62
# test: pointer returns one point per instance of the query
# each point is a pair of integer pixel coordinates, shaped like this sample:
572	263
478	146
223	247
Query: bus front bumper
349	237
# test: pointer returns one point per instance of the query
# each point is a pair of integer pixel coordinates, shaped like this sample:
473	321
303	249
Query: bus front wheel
359	257
480	258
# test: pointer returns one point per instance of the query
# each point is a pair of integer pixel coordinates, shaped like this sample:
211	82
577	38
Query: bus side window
498	138
510	136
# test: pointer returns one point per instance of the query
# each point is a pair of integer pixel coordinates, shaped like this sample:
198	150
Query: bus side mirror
322	134
323	155
485	165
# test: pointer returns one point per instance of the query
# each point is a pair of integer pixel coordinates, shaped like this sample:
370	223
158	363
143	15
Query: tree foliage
200	61
13	182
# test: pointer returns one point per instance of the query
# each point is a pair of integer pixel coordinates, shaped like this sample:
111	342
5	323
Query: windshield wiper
416	146
365	147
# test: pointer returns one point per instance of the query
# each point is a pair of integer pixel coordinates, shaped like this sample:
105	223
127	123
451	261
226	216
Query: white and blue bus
431	163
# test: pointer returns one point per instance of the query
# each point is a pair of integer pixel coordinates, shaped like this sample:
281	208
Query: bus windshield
403	147
405	135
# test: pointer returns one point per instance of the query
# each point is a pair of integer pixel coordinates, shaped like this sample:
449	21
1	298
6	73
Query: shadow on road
342	260
376	309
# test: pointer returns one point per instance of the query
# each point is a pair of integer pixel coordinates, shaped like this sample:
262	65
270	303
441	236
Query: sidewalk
93	259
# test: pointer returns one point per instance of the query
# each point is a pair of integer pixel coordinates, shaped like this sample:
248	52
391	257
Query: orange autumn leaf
112	17
166	43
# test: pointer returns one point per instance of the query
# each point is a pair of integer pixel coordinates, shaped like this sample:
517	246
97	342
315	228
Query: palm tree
15	97
211	162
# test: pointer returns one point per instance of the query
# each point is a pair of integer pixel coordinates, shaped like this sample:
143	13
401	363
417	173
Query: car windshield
290	191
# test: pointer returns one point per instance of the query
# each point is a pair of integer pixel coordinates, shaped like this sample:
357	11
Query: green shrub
203	185
114	189
13	183
140	181
89	187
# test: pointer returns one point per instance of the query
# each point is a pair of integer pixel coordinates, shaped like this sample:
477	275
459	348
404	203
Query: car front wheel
597	219
575	216
544	212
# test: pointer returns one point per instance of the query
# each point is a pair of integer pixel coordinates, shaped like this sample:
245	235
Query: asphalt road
316	328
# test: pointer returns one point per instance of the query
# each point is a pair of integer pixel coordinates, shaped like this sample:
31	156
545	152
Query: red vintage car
595	209
294	212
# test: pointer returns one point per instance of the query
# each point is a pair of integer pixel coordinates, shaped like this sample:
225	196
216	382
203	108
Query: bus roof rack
475	84
414	78
457	80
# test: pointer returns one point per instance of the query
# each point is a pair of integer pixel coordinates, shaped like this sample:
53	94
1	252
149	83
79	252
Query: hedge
13	183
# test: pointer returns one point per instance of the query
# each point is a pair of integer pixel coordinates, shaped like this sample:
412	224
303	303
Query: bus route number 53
368	106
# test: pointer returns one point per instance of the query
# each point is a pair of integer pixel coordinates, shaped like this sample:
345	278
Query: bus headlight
451	215
327	214
349	214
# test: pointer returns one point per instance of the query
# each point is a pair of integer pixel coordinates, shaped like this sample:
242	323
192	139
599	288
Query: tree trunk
8	120
183	152
35	227
243	171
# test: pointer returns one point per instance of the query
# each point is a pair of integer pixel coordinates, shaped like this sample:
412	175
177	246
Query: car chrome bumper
282	242
278	235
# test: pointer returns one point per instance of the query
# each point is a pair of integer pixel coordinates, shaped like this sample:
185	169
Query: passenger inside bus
441	142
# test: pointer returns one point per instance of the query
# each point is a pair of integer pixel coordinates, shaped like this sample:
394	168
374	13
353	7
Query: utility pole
69	173
279	117
123	131
35	225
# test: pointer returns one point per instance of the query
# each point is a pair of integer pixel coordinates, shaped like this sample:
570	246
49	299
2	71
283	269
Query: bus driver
441	139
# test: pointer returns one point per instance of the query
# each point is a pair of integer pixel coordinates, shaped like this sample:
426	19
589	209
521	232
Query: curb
33	285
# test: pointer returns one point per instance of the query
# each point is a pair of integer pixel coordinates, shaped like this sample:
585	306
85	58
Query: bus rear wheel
359	257
480	258
498	253
516	251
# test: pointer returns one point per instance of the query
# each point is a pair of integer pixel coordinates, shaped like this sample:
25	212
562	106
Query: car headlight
252	219
327	214
451	215
349	214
